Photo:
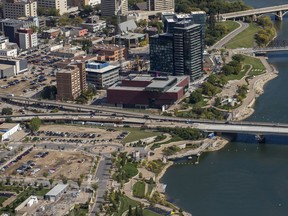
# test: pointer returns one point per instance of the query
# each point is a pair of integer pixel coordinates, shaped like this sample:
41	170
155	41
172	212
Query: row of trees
184	133
210	6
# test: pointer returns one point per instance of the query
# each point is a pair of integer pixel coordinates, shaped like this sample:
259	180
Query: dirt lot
106	135
56	163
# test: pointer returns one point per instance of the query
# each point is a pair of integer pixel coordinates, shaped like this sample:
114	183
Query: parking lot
53	164
25	82
68	133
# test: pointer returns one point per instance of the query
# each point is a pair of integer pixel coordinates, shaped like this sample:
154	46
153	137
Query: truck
10	95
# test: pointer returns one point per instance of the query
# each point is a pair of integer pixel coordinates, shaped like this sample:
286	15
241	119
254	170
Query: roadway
231	35
102	175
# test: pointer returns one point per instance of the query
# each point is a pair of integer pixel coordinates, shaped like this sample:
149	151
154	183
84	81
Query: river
244	178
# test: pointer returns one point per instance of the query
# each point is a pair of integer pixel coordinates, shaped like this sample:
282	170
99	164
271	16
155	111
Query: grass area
155	166
139	189
238	76
230	26
2	199
137	134
21	198
130	169
124	205
245	39
258	67
150	188
173	139
42	192
147	212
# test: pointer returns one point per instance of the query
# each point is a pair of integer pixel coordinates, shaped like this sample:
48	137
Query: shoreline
256	89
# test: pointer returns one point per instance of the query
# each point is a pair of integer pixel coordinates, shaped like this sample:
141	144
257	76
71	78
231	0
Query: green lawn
42	192
147	212
139	189
245	39
150	188
2	199
136	134
130	169
124	205
258	67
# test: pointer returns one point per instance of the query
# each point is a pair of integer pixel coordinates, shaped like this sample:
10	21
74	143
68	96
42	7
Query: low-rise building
109	52
51	33
19	64
102	74
55	193
145	91
95	26
68	52
131	40
6	71
8	129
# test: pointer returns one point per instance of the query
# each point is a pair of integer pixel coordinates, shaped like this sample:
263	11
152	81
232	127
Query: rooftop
57	189
7	126
102	70
107	47
130	35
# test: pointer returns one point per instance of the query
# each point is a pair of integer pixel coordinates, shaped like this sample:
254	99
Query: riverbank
256	88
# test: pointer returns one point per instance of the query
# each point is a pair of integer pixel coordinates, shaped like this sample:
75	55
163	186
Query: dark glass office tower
180	53
161	53
188	49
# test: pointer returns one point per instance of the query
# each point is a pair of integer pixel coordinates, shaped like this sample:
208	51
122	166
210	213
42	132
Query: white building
8	49
94	2
8	129
26	38
19	8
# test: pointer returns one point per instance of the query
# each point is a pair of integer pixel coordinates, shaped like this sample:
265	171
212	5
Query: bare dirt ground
56	164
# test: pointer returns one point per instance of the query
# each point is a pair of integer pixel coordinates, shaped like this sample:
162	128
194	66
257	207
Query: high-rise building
19	8
161	53
71	82
188	50
60	5
180	53
80	3
26	38
160	5
169	19
114	7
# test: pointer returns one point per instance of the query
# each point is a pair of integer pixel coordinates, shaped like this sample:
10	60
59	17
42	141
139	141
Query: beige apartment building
60	5
71	82
19	8
160	5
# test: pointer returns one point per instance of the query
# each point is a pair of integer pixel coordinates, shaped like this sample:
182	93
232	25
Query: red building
145	91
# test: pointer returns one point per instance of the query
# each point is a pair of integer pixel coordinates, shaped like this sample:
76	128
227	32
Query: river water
244	178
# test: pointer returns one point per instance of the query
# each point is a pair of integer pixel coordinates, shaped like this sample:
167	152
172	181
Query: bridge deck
255	11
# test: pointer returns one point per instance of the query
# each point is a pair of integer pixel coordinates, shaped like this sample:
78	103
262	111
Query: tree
94	186
130	211
51	180
49	92
8	120
79	182
7	111
195	97
35	124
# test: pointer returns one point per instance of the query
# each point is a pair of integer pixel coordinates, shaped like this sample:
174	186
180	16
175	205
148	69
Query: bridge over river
279	11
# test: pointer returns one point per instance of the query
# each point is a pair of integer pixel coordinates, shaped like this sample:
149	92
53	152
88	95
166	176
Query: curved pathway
227	38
